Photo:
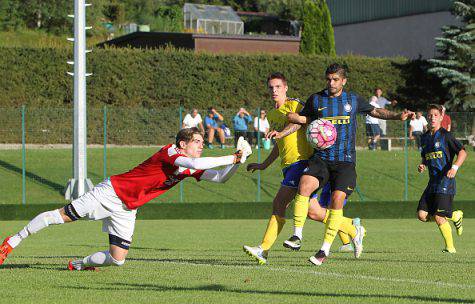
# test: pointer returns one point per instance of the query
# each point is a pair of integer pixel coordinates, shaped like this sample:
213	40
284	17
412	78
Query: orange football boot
5	249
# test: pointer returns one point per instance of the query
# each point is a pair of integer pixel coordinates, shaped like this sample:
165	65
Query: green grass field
380	176
196	261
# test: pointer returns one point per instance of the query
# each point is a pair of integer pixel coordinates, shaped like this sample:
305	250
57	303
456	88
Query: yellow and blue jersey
438	152
294	147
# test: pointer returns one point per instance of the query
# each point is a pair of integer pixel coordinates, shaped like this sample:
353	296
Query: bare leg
210	135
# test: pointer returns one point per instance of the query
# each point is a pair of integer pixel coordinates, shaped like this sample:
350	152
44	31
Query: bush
160	78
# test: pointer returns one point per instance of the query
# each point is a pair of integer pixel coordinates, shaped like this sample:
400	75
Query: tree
455	65
317	34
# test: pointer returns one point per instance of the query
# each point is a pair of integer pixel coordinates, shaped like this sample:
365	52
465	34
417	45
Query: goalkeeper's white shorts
102	203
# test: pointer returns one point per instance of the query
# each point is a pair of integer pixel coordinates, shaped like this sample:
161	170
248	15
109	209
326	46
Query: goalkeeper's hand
243	150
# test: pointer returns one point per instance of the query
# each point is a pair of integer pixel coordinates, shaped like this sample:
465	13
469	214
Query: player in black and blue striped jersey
439	148
335	165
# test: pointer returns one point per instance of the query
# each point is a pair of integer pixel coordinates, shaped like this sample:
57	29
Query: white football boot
259	254
358	241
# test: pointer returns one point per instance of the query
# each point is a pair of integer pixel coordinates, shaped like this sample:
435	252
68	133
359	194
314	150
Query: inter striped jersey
438	152
341	112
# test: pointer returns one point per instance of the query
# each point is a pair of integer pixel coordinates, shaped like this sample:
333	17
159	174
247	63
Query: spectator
446	120
373	130
382	102
193	120
240	122
418	125
212	127
261	125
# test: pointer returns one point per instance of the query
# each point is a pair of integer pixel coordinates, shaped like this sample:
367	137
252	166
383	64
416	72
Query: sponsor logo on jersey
434	155
347	108
321	109
338	120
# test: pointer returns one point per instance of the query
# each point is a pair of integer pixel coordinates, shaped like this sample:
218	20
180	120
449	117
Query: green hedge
161	78
144	88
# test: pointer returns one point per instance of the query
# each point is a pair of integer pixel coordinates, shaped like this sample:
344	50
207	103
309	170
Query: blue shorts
325	196
293	173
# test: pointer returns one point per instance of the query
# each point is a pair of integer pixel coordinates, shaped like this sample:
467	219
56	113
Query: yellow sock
333	225
345	238
274	227
325	219
347	227
446	232
300	210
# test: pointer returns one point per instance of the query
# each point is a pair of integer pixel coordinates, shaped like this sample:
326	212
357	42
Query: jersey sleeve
454	145
364	107
308	110
197	174
170	155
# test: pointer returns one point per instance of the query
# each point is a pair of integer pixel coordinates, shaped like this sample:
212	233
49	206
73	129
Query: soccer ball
321	134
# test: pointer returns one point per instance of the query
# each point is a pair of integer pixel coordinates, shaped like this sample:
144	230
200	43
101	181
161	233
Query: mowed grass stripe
380	176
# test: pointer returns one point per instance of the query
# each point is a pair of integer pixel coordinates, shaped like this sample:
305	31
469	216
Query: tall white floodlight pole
80	184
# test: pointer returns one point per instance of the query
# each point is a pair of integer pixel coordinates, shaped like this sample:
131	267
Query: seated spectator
418	125
446	121
212	127
373	130
240	122
261	125
193	120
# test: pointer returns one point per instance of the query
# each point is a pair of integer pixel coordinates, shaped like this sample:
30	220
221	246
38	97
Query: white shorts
102	203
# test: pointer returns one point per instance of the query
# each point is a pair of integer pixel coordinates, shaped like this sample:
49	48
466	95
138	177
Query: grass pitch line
330	274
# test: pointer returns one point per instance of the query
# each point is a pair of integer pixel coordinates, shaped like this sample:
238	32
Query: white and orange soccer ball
321	134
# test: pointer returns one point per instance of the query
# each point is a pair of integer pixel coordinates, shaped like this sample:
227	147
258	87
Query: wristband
455	167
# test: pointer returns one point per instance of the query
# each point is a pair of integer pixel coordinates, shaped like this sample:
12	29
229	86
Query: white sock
40	222
98	259
326	248
298	232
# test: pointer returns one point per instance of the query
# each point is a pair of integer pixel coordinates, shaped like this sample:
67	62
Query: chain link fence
36	153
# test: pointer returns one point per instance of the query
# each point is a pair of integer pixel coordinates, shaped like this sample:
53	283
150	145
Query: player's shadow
33	177
222	288
233	262
34	266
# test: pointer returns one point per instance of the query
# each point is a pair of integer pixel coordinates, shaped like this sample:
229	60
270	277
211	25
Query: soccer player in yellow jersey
294	152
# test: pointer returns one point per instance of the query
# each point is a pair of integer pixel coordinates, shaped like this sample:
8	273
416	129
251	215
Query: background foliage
160	78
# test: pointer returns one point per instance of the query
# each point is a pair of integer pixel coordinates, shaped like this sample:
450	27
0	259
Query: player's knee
422	217
308	184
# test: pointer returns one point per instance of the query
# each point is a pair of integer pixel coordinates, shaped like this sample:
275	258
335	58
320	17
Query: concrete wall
408	36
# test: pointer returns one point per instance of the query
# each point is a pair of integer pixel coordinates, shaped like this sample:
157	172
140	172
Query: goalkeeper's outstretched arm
219	176
204	163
